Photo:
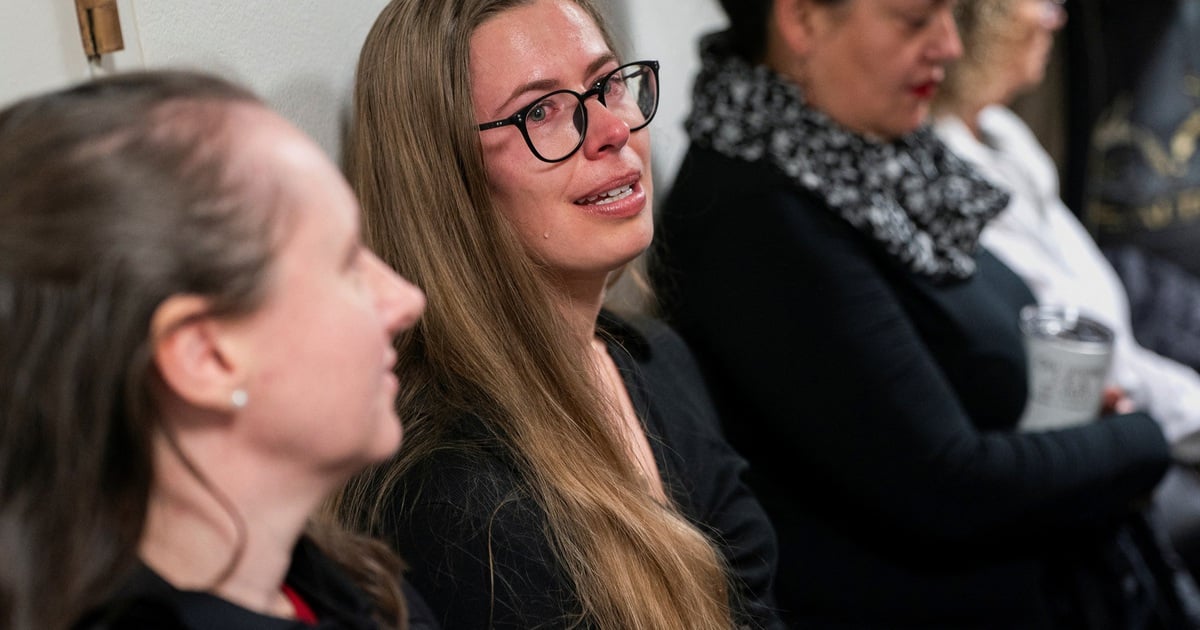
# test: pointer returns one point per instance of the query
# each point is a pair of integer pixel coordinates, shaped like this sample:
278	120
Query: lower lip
630	206
925	91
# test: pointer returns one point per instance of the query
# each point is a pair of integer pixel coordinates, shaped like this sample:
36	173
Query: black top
877	409
475	540
148	602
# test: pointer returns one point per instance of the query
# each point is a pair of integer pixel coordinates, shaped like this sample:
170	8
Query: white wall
667	30
300	54
40	47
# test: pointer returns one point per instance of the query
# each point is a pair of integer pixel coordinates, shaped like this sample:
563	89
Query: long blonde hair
492	342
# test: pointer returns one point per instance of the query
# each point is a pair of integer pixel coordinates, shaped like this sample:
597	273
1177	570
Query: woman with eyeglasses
820	253
563	466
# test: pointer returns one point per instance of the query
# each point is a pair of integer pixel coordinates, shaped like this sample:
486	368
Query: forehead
544	39
284	170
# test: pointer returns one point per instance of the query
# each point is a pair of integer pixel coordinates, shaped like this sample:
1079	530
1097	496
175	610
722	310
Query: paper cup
1069	357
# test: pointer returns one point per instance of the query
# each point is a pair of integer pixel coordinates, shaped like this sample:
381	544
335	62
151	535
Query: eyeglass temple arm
496	123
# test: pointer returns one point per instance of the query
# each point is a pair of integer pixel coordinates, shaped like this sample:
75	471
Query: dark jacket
877	409
475	540
147	602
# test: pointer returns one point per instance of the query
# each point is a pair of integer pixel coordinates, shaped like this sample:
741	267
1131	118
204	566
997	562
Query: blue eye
615	86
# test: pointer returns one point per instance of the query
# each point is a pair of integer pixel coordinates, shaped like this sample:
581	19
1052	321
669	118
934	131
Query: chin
386	440
639	245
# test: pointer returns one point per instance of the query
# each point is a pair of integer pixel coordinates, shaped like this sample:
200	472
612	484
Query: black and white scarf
922	203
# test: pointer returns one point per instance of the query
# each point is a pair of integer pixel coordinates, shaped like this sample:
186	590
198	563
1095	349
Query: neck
193	540
968	112
580	301
984	93
781	60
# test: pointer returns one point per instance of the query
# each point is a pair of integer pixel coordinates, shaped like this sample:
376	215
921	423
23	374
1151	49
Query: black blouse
149	602
476	542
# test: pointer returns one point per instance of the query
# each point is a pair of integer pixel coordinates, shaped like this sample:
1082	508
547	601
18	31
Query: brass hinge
100	26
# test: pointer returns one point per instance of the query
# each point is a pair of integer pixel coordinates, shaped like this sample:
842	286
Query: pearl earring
239	398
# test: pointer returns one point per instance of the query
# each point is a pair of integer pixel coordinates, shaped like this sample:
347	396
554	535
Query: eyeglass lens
556	123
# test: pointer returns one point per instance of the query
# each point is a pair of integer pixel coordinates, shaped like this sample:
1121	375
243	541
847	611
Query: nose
606	132
946	45
400	302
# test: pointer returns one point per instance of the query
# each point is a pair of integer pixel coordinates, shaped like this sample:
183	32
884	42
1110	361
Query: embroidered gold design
1115	130
1169	159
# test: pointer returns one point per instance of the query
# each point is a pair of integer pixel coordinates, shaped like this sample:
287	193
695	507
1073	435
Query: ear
793	27
188	352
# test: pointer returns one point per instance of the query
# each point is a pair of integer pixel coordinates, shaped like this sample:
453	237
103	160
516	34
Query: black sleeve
476	548
712	476
795	316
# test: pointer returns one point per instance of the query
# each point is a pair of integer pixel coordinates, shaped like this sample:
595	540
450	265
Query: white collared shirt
1039	238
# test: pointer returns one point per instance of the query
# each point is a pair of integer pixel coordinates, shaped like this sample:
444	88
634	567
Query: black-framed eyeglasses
555	124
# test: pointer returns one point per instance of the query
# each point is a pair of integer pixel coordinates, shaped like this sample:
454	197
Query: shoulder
653	345
1001	120
145	601
720	209
141	613
463	500
469	471
1010	132
952	131
711	184
667	374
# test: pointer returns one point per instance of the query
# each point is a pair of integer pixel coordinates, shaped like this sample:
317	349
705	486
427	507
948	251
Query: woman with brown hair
196	352
563	466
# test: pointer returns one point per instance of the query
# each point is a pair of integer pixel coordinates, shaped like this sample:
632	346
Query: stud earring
239	398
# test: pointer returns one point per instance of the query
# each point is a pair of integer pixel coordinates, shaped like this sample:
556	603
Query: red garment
304	612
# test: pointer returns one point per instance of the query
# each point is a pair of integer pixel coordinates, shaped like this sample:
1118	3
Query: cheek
515	177
519	209
531	197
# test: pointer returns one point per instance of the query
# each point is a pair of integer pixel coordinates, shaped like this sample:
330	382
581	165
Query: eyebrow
547	85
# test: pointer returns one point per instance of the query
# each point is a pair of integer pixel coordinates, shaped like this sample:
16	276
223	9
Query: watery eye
545	111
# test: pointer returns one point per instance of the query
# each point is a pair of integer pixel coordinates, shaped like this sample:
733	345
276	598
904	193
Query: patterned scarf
922	203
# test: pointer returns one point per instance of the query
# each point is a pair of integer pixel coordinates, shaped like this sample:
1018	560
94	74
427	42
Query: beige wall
39	47
300	54
297	54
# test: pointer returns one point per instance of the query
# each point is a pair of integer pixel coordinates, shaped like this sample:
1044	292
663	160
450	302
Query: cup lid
1064	323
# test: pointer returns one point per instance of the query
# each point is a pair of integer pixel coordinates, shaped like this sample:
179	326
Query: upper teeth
610	196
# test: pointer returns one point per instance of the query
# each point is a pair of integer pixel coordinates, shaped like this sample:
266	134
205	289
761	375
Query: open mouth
607	197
